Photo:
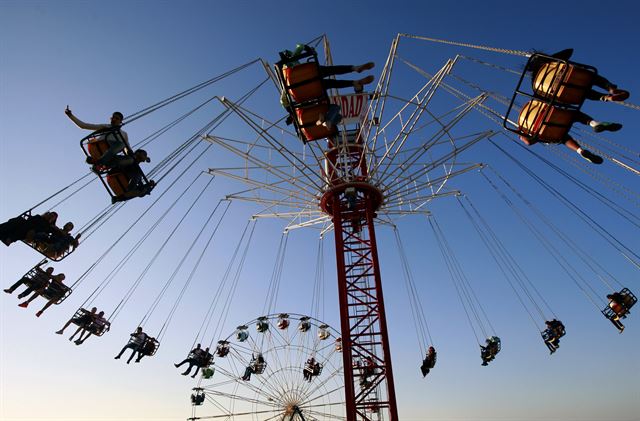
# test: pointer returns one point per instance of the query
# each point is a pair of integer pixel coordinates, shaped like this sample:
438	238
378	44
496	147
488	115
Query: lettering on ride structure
353	107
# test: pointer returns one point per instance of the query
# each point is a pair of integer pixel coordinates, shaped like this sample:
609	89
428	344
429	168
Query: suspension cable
579	251
419	320
145	111
165	325
468	298
505	263
553	251
276	275
136	283
609	238
218	293
463	44
110	248
234	284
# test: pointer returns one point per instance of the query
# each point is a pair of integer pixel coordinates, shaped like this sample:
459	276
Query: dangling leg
46	306
356	84
182	363
26	303
614	94
344	69
76	332
618	324
133	353
124	348
586	154
597	126
14	286
81	340
66	325
196	372
26	292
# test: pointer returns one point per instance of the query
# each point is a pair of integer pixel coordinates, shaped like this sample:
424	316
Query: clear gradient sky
98	57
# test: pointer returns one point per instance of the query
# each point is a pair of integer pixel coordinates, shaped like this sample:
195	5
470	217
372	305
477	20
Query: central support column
369	387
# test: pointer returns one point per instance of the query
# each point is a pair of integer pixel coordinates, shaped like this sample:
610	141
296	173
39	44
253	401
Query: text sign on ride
353	107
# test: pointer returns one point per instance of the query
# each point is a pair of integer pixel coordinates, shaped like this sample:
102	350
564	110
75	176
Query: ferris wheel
276	367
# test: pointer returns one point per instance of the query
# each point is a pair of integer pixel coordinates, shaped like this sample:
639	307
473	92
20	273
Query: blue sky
98	57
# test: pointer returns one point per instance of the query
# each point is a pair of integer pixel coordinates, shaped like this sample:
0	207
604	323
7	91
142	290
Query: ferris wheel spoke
237	397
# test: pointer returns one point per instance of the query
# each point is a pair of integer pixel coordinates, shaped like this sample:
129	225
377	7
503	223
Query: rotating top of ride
396	141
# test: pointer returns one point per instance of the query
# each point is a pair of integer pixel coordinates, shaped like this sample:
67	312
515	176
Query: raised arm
82	124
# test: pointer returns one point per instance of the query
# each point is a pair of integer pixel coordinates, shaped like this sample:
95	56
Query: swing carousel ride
353	166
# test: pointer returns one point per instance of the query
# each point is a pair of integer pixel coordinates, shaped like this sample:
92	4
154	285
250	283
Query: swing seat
36	278
56	291
98	329
306	118
566	83
616	310
628	298
303	81
118	182
82	317
41	245
204	360
548	124
97	148
150	347
550	335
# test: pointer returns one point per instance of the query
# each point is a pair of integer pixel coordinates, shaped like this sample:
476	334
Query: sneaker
23	305
117	357
38	314
8	291
358	85
59	332
616	95
77	342
363	67
619	95
606	126
591	157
